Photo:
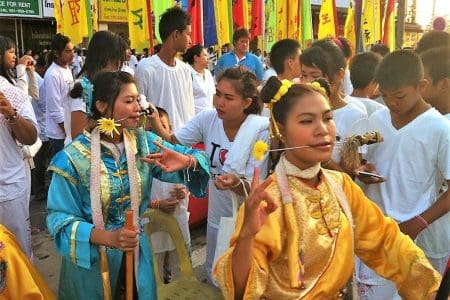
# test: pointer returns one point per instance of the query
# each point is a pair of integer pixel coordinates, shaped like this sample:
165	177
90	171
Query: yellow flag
57	8
75	20
247	13
138	24
282	15
389	24
349	28
94	15
292	25
371	22
222	21
327	19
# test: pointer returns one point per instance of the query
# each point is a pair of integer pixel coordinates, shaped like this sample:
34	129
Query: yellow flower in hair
284	88
318	88
259	150
108	126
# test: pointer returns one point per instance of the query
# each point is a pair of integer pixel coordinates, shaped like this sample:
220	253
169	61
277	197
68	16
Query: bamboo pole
129	258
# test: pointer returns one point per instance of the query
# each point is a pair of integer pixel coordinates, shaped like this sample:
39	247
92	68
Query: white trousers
15	215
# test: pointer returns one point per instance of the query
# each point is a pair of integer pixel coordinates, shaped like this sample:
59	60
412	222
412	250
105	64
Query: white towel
242	149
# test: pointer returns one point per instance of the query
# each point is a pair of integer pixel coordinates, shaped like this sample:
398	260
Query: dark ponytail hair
107	86
245	84
113	51
190	54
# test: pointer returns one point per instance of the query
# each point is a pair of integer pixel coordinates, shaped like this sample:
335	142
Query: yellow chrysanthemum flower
108	126
259	150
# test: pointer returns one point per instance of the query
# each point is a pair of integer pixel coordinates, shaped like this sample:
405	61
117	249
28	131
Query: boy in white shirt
165	80
173	199
436	66
414	159
362	73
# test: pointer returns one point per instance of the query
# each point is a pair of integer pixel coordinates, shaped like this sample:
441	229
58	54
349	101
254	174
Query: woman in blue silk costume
86	206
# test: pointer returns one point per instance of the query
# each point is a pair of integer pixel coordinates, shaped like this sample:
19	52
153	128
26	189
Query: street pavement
48	262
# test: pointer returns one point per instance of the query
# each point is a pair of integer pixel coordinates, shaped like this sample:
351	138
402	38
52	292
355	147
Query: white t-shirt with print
415	160
207	127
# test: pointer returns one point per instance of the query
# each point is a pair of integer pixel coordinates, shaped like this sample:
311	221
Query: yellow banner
75	20
113	11
349	29
327	27
282	31
94	16
138	24
371	22
57	8
293	27
222	21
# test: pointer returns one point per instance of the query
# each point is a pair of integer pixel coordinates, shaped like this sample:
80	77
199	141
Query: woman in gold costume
298	231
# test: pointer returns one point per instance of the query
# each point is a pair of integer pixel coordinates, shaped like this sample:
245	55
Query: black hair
193	51
433	39
335	54
282	107
239	34
316	57
6	44
162	112
171	20
59	43
157	48
345	46
107	86
380	49
280	51
245	84
399	69
362	69
114	48
41	61
436	62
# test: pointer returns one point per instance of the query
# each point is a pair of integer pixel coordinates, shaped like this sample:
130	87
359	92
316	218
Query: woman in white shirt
17	124
202	79
229	132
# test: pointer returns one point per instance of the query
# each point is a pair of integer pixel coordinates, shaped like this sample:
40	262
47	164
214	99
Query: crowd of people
96	134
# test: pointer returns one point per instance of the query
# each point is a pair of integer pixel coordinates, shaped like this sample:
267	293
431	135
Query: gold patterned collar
293	170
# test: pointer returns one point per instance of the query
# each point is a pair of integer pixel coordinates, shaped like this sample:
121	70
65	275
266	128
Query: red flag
196	12
256	28
238	14
387	18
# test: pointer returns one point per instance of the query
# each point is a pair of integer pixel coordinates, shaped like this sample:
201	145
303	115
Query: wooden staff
129	258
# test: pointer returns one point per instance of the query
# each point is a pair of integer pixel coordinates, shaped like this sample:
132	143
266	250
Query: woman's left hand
226	181
168	160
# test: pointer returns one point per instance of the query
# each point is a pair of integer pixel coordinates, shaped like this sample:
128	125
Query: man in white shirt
58	81
164	79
